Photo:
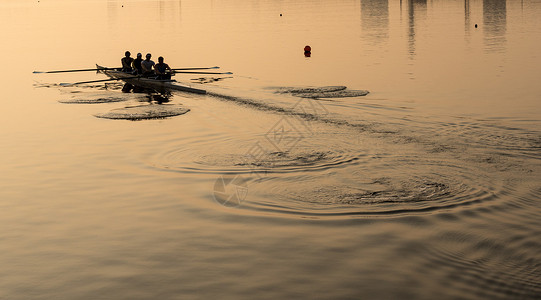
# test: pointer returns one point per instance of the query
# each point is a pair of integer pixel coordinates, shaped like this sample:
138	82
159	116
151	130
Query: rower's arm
144	67
156	70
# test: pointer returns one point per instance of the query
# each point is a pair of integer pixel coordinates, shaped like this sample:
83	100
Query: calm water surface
428	187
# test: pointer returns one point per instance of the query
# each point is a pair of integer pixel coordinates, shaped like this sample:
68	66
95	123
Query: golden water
428	187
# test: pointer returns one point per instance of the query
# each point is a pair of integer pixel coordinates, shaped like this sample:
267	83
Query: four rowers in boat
146	67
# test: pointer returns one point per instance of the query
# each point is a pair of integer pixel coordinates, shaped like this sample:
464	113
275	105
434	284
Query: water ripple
144	112
299	160
94	100
484	134
415	186
483	266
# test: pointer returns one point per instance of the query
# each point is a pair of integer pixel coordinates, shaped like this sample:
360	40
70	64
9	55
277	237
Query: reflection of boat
160	86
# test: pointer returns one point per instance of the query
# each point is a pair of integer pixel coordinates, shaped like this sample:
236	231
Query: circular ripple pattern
280	162
415	186
339	91
322	89
144	112
340	179
94	101
333	94
243	163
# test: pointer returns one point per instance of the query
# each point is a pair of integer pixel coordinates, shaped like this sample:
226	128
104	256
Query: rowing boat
160	86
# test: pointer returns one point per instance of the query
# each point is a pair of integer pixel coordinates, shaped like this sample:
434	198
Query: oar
93	81
186	69
187	72
66	71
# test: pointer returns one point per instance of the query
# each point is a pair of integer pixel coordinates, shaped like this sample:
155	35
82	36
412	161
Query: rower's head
160	59
149	56
139	55
127	53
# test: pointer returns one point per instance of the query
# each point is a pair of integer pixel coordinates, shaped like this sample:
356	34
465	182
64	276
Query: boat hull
160	86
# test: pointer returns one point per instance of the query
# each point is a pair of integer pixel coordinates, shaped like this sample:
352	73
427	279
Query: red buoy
307	48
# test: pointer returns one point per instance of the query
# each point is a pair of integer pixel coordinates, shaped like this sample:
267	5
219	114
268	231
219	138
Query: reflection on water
495	24
467	21
416	14
168	12
375	20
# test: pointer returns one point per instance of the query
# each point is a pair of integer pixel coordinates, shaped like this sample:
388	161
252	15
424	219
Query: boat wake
353	169
302	103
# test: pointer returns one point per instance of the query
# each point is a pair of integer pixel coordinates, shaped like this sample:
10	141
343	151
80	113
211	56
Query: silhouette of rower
147	65
127	62
161	69
137	63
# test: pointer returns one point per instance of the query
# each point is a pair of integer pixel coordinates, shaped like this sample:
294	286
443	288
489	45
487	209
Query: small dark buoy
307	51
280	15
475	25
